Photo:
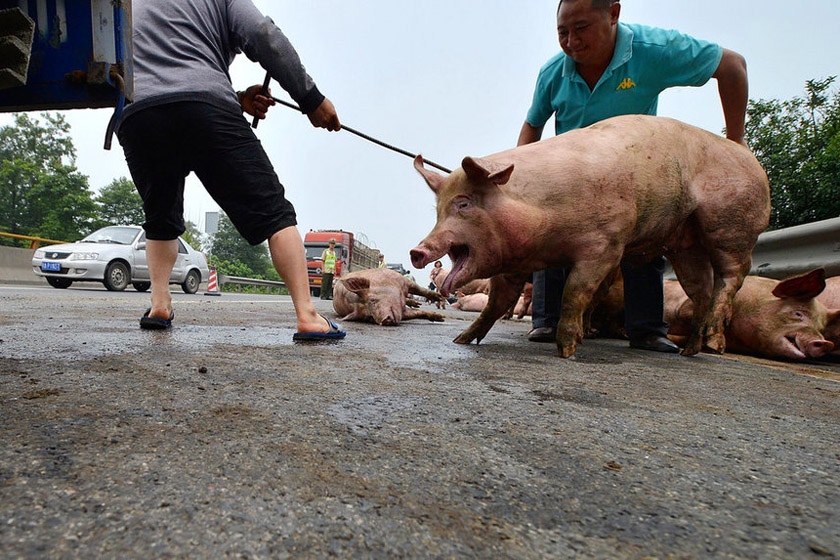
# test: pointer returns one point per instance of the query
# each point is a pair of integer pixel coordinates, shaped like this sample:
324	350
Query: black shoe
542	334
655	343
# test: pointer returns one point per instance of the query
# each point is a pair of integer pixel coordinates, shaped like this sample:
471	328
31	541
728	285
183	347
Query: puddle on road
419	345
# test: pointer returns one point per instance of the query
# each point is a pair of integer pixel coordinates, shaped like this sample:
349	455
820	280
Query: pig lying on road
471	302
380	295
770	318
632	186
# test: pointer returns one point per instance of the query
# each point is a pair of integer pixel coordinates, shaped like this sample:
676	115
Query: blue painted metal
68	67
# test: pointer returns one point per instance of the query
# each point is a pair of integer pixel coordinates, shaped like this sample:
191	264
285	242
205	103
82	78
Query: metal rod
371	139
348	129
264	91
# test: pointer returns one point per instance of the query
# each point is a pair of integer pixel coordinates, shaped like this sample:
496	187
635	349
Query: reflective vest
329	260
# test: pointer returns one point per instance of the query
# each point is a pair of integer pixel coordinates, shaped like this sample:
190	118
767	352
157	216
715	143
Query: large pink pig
380	295
770	318
628	187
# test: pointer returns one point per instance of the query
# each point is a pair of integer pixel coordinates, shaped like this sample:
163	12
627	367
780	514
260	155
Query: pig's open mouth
459	255
792	347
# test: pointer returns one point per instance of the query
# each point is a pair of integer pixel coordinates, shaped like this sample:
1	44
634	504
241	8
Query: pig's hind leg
582	283
504	292
696	276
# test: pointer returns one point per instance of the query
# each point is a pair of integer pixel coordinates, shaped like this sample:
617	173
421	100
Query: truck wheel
59	283
116	277
315	292
141	286
191	282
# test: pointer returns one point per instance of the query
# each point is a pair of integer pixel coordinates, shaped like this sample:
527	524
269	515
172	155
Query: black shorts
164	143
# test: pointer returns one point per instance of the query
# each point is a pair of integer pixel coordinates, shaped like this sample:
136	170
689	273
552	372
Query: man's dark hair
597	4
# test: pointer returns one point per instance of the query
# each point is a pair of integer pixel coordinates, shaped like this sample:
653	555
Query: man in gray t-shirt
187	117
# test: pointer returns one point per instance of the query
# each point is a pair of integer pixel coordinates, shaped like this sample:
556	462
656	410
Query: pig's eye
462	204
798	315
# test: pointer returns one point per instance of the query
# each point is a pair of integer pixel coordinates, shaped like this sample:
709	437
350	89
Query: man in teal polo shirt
605	69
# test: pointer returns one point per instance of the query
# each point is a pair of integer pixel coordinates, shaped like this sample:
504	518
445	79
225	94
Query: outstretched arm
529	134
733	88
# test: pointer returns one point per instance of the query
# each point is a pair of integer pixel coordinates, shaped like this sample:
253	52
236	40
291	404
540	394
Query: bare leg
160	256
287	254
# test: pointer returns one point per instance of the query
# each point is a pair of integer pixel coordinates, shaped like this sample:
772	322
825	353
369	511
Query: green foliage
41	191
798	143
120	204
72	217
192	235
229	246
231	268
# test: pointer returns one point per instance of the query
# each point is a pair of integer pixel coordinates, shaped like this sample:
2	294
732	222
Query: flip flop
334	333
154	323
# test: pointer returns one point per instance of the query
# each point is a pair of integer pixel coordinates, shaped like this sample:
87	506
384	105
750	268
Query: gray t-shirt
183	48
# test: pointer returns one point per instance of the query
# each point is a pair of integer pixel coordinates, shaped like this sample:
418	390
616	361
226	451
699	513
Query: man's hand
325	116
254	102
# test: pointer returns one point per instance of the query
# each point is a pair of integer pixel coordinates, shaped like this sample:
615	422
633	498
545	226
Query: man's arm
733	88
529	134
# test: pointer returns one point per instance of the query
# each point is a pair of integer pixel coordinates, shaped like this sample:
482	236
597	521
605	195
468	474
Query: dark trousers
644	301
327	285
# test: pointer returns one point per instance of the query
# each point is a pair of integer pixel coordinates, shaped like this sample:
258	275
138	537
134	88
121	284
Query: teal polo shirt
647	60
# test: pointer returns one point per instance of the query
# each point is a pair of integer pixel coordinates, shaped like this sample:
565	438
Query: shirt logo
626	83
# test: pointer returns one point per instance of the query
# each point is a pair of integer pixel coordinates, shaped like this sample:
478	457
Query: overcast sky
451	78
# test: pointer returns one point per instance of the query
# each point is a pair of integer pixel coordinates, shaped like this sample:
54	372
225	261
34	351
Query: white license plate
51	267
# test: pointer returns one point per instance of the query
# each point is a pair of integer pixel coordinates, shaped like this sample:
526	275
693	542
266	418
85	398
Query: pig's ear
356	285
806	285
479	169
434	180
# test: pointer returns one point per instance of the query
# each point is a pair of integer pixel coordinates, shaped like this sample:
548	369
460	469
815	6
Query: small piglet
380	295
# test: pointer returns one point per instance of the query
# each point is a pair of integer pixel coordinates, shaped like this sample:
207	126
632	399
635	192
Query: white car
115	256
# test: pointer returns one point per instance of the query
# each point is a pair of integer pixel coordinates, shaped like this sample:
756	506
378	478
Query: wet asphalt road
222	438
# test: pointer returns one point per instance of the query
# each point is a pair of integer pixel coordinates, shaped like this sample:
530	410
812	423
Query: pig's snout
818	348
420	257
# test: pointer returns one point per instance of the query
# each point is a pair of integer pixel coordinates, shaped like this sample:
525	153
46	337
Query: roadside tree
119	203
798	143
228	246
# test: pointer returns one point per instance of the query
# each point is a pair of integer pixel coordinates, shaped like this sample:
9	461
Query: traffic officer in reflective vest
328	257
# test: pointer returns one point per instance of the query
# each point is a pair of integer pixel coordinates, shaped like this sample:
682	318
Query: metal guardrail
787	252
34	242
783	253
238	281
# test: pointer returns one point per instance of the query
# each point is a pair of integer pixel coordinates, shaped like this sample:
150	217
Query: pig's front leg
419	290
504	292
422	314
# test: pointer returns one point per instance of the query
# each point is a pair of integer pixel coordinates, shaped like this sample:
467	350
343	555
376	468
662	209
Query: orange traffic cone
213	284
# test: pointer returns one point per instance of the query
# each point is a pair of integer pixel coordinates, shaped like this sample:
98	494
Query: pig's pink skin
523	304
772	319
631	186
471	302
831	295
831	299
379	295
